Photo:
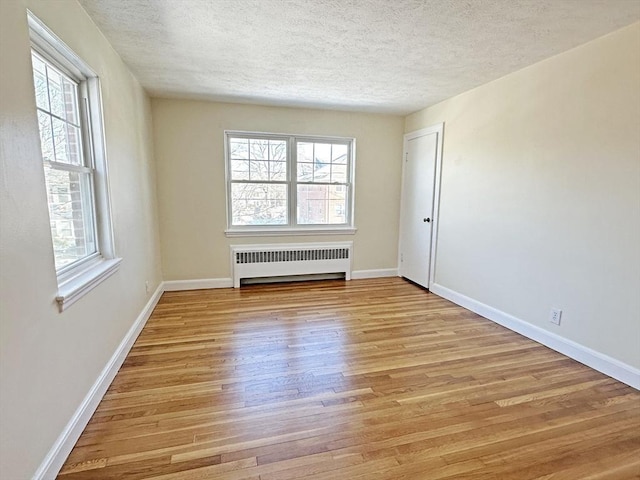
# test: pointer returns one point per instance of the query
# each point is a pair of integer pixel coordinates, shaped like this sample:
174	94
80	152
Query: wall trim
376	273
585	355
197	284
63	445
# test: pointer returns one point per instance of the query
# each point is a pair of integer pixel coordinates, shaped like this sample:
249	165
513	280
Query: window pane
322	204
240	169
71	110
339	173
278	150
258	204
46	137
339	154
239	148
40	83
74	145
278	171
66	139
259	149
305	172
60	140
258	170
71	215
305	152
322	172
322	154
56	96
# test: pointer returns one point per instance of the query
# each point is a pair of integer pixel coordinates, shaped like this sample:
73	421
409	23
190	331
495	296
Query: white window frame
80	277
292	227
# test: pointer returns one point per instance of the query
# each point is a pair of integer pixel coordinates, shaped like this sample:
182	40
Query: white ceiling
365	55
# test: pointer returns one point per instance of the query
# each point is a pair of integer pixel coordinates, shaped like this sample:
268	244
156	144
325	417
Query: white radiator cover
283	259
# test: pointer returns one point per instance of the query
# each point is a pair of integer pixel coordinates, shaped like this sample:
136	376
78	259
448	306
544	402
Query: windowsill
287	232
76	287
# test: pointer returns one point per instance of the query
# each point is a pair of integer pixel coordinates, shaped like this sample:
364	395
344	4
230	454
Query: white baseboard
64	444
596	360
199	284
383	272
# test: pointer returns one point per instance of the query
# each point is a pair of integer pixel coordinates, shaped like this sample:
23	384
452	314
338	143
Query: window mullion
293	187
228	178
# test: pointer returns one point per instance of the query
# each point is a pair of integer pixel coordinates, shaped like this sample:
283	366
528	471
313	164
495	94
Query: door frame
435	214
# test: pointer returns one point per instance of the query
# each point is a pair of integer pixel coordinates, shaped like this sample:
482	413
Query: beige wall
540	203
50	360
189	138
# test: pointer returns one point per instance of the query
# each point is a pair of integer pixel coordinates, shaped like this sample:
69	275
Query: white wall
189	145
540	203
50	360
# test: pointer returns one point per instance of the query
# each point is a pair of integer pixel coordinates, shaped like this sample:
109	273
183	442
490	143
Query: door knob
426	220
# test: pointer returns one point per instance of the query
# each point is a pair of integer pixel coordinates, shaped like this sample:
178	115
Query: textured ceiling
366	55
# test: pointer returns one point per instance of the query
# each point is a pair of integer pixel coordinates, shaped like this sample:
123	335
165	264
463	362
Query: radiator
254	261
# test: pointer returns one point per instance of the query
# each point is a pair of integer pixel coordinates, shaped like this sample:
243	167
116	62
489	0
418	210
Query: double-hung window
68	170
280	184
70	125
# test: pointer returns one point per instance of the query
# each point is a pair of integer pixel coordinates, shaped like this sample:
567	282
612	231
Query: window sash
75	210
292	182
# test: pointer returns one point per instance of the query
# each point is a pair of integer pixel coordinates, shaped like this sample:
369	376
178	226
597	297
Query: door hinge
402	257
406	156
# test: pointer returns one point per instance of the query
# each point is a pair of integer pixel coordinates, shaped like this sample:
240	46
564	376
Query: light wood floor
368	379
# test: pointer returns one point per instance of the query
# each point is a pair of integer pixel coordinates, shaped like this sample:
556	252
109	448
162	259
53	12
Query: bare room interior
319	239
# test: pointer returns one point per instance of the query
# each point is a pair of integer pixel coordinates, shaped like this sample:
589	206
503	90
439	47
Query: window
70	125
68	171
288	184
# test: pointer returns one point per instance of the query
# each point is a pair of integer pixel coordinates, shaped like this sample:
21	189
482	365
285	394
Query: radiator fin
276	256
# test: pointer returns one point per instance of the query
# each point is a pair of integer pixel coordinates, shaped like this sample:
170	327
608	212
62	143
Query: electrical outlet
555	316
146	286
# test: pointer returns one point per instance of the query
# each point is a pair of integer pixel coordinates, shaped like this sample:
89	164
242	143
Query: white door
421	152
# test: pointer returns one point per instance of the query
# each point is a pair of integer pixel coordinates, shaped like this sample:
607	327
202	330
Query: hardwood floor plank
350	380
